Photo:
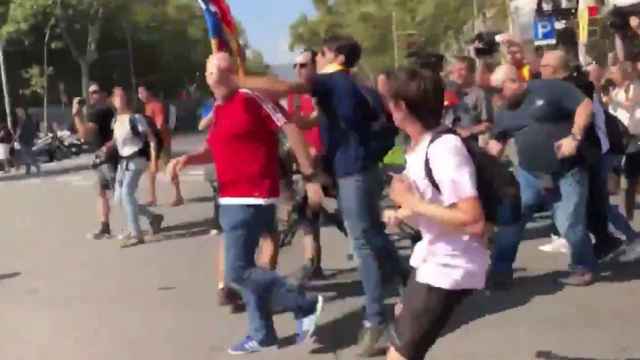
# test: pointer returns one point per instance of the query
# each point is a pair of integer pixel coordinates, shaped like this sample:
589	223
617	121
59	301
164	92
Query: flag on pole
222	29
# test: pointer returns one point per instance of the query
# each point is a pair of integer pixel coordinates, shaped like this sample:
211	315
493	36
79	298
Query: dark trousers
598	205
426	310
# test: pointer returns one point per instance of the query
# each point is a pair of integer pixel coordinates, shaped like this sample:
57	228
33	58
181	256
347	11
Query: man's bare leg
269	251
153	199
178	200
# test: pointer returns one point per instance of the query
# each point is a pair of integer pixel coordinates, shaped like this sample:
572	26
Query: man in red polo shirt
243	143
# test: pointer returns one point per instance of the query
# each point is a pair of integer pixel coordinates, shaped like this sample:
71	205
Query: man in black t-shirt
96	128
548	120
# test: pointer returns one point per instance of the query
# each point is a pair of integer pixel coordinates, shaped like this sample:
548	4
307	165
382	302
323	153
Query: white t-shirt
446	258
126	142
630	117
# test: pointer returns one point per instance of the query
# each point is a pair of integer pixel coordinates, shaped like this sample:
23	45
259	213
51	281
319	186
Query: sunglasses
300	66
94	92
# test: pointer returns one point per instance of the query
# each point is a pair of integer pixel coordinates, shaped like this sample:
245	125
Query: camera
82	102
485	44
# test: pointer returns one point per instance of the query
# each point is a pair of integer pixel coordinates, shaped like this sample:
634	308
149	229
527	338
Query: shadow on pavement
185	230
550	355
200	199
45	173
342	332
9	275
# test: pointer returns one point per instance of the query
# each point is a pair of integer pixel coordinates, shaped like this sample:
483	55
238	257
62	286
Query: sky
267	25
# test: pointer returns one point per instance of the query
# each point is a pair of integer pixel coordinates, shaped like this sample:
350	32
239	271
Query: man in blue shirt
346	130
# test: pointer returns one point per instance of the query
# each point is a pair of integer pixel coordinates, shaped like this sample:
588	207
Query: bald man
547	120
243	143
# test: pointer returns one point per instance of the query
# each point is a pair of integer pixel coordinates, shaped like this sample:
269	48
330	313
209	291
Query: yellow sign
583	22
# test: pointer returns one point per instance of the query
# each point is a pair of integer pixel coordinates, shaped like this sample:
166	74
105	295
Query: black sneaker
101	234
156	224
499	281
602	251
318	274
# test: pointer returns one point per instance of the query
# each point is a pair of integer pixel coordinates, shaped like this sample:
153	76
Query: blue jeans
568	199
616	218
127	180
262	290
359	201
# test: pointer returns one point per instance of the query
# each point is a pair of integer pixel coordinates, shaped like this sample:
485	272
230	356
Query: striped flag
222	28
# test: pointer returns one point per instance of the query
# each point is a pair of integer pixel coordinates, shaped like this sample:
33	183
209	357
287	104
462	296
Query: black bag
146	147
616	133
498	188
383	130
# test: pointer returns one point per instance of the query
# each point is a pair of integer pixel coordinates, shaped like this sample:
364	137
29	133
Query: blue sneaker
306	327
248	346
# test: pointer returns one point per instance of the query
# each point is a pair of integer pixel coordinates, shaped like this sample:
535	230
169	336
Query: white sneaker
557	245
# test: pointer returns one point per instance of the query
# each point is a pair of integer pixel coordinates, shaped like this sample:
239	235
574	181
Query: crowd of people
16	145
575	132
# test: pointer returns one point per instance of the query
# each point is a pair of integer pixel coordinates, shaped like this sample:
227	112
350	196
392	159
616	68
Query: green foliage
255	63
36	80
438	24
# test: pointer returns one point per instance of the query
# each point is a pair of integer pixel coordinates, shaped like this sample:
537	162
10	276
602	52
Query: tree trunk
91	54
5	88
132	70
45	116
85	71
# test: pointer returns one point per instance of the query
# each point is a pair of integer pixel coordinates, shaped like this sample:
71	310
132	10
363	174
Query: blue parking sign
544	31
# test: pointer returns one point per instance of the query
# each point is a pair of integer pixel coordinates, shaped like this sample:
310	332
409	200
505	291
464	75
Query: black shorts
425	313
106	174
631	166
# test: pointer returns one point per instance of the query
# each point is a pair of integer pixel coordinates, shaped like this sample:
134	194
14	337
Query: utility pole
396	34
475	16
394	29
5	87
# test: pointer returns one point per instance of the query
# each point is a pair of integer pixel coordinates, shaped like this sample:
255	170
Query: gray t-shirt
545	116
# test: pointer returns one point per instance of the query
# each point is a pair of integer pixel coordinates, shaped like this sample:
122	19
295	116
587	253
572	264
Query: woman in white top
452	259
625	104
137	148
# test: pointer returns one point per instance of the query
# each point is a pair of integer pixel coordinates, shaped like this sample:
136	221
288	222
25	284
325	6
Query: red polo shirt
243	141
305	105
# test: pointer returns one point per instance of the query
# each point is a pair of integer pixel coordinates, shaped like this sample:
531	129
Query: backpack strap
436	134
134	125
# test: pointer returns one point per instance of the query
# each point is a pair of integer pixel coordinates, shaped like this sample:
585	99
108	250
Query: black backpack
498	188
146	147
383	130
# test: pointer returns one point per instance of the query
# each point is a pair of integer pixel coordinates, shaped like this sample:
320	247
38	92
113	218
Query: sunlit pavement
65	297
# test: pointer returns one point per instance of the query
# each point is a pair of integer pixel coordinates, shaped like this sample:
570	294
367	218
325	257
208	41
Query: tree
370	22
79	23
4	11
255	63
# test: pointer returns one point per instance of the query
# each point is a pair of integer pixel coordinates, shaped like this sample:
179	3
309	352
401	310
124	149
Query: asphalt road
65	297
